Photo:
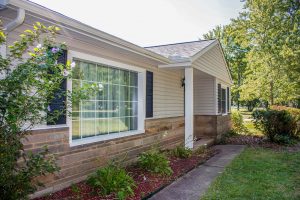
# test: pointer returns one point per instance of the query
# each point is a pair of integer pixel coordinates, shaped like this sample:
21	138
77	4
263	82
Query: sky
150	22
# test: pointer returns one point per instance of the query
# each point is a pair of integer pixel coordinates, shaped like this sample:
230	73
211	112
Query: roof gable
181	51
212	61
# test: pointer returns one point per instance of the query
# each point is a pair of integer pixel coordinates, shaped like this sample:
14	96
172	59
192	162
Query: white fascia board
74	25
176	65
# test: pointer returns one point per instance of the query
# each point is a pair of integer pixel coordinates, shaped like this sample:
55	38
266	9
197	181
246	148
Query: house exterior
165	95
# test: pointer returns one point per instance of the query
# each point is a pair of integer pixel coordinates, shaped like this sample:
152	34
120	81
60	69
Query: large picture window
113	108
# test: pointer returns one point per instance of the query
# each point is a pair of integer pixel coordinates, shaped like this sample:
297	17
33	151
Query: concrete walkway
193	185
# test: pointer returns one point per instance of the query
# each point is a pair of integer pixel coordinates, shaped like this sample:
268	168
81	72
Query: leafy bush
295	112
112	179
155	162
21	109
181	152
278	126
238	123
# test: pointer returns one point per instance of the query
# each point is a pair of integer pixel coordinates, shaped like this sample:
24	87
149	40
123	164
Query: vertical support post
189	107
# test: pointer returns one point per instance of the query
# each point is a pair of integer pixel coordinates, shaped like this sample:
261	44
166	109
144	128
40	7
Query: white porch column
189	107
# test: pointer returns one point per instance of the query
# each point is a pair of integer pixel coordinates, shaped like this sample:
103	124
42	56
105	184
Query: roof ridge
178	43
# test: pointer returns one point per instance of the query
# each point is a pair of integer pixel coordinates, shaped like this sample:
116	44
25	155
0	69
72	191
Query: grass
251	128
246	114
259	174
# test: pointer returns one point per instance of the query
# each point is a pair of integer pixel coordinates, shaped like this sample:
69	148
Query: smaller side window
223	100
219	98
228	99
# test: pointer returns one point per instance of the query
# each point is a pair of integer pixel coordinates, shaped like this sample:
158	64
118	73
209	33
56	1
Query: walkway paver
194	184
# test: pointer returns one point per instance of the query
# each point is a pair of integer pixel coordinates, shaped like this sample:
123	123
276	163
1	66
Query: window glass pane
128	109
88	71
101	109
124	77
101	74
133	123
92	96
113	76
113	124
124	125
101	126
88	128
124	93
88	109
75	129
115	109
133	79
75	115
133	94
76	71
102	93
122	107
75	105
134	108
115	92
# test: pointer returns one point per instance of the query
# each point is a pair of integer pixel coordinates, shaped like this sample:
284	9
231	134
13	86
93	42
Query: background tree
262	47
273	35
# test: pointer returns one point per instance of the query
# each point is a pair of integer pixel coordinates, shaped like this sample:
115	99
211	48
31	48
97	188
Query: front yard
259	173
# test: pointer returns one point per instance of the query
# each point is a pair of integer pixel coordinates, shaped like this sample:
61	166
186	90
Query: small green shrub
112	179
200	150
238	123
181	152
278	125
155	162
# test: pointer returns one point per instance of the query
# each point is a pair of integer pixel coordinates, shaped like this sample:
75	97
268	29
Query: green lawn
251	128
259	174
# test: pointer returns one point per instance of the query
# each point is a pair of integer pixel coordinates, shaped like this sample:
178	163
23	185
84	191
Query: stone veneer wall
78	162
211	126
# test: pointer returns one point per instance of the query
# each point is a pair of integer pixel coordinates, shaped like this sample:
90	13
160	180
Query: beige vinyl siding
168	100
168	94
212	62
204	96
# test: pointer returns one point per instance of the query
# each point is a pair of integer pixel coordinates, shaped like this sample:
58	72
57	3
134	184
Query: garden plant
31	76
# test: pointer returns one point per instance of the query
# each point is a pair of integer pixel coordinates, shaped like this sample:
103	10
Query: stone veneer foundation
211	126
77	162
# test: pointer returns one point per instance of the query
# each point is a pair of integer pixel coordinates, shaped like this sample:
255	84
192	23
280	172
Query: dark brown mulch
146	182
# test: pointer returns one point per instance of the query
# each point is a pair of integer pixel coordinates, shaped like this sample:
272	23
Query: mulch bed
147	183
260	141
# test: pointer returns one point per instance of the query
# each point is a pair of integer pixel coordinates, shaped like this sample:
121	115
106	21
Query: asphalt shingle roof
180	51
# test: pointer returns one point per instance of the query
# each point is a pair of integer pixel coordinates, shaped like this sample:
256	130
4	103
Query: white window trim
141	99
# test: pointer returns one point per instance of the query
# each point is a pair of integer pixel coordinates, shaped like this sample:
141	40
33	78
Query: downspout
11	25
